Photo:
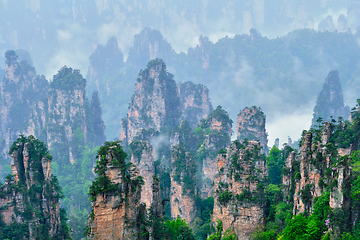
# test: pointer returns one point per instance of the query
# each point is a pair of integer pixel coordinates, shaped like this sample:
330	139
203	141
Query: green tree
275	163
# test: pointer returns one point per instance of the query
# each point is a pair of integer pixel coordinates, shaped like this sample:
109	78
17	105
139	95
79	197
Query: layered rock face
195	102
155	103
115	213
159	105
53	113
220	138
143	158
31	198
239	188
250	124
183	190
330	101
24	103
66	108
317	168
118	212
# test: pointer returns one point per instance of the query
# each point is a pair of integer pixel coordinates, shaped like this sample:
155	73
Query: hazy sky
67	32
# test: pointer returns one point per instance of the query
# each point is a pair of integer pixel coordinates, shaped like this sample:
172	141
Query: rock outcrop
143	158
30	199
239	188
317	169
117	203
183	189
250	124
118	211
220	138
330	101
66	110
155	103
23	101
195	102
53	112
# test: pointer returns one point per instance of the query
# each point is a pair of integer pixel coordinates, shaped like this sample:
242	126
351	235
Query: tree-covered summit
68	79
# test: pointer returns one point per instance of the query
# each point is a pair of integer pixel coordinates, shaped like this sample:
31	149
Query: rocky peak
155	103
115	196
219	120
239	188
23	93
31	199
330	101
148	45
105	60
66	110
195	102
319	167
250	124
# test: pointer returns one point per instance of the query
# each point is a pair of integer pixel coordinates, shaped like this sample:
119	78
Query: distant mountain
330	101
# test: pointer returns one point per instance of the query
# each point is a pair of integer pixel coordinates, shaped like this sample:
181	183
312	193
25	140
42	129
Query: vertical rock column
36	206
116	206
183	185
239	188
250	124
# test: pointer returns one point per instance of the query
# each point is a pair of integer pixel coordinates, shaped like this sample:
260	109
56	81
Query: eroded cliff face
183	189
119	211
31	198
117	208
239	188
250	124
155	104
195	102
66	110
220	138
24	104
321	167
143	158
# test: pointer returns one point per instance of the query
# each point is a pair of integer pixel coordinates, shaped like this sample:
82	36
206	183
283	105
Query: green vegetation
176	229
220	235
68	79
320	222
102	183
33	189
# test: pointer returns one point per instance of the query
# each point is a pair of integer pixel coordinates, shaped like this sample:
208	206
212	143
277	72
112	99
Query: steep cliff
183	185
195	102
250	124
148	45
239	188
155	104
321	166
117	196
66	108
30	199
143	158
212	134
219	138
330	101
23	101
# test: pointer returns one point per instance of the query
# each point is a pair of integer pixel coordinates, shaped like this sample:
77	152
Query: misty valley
249	132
